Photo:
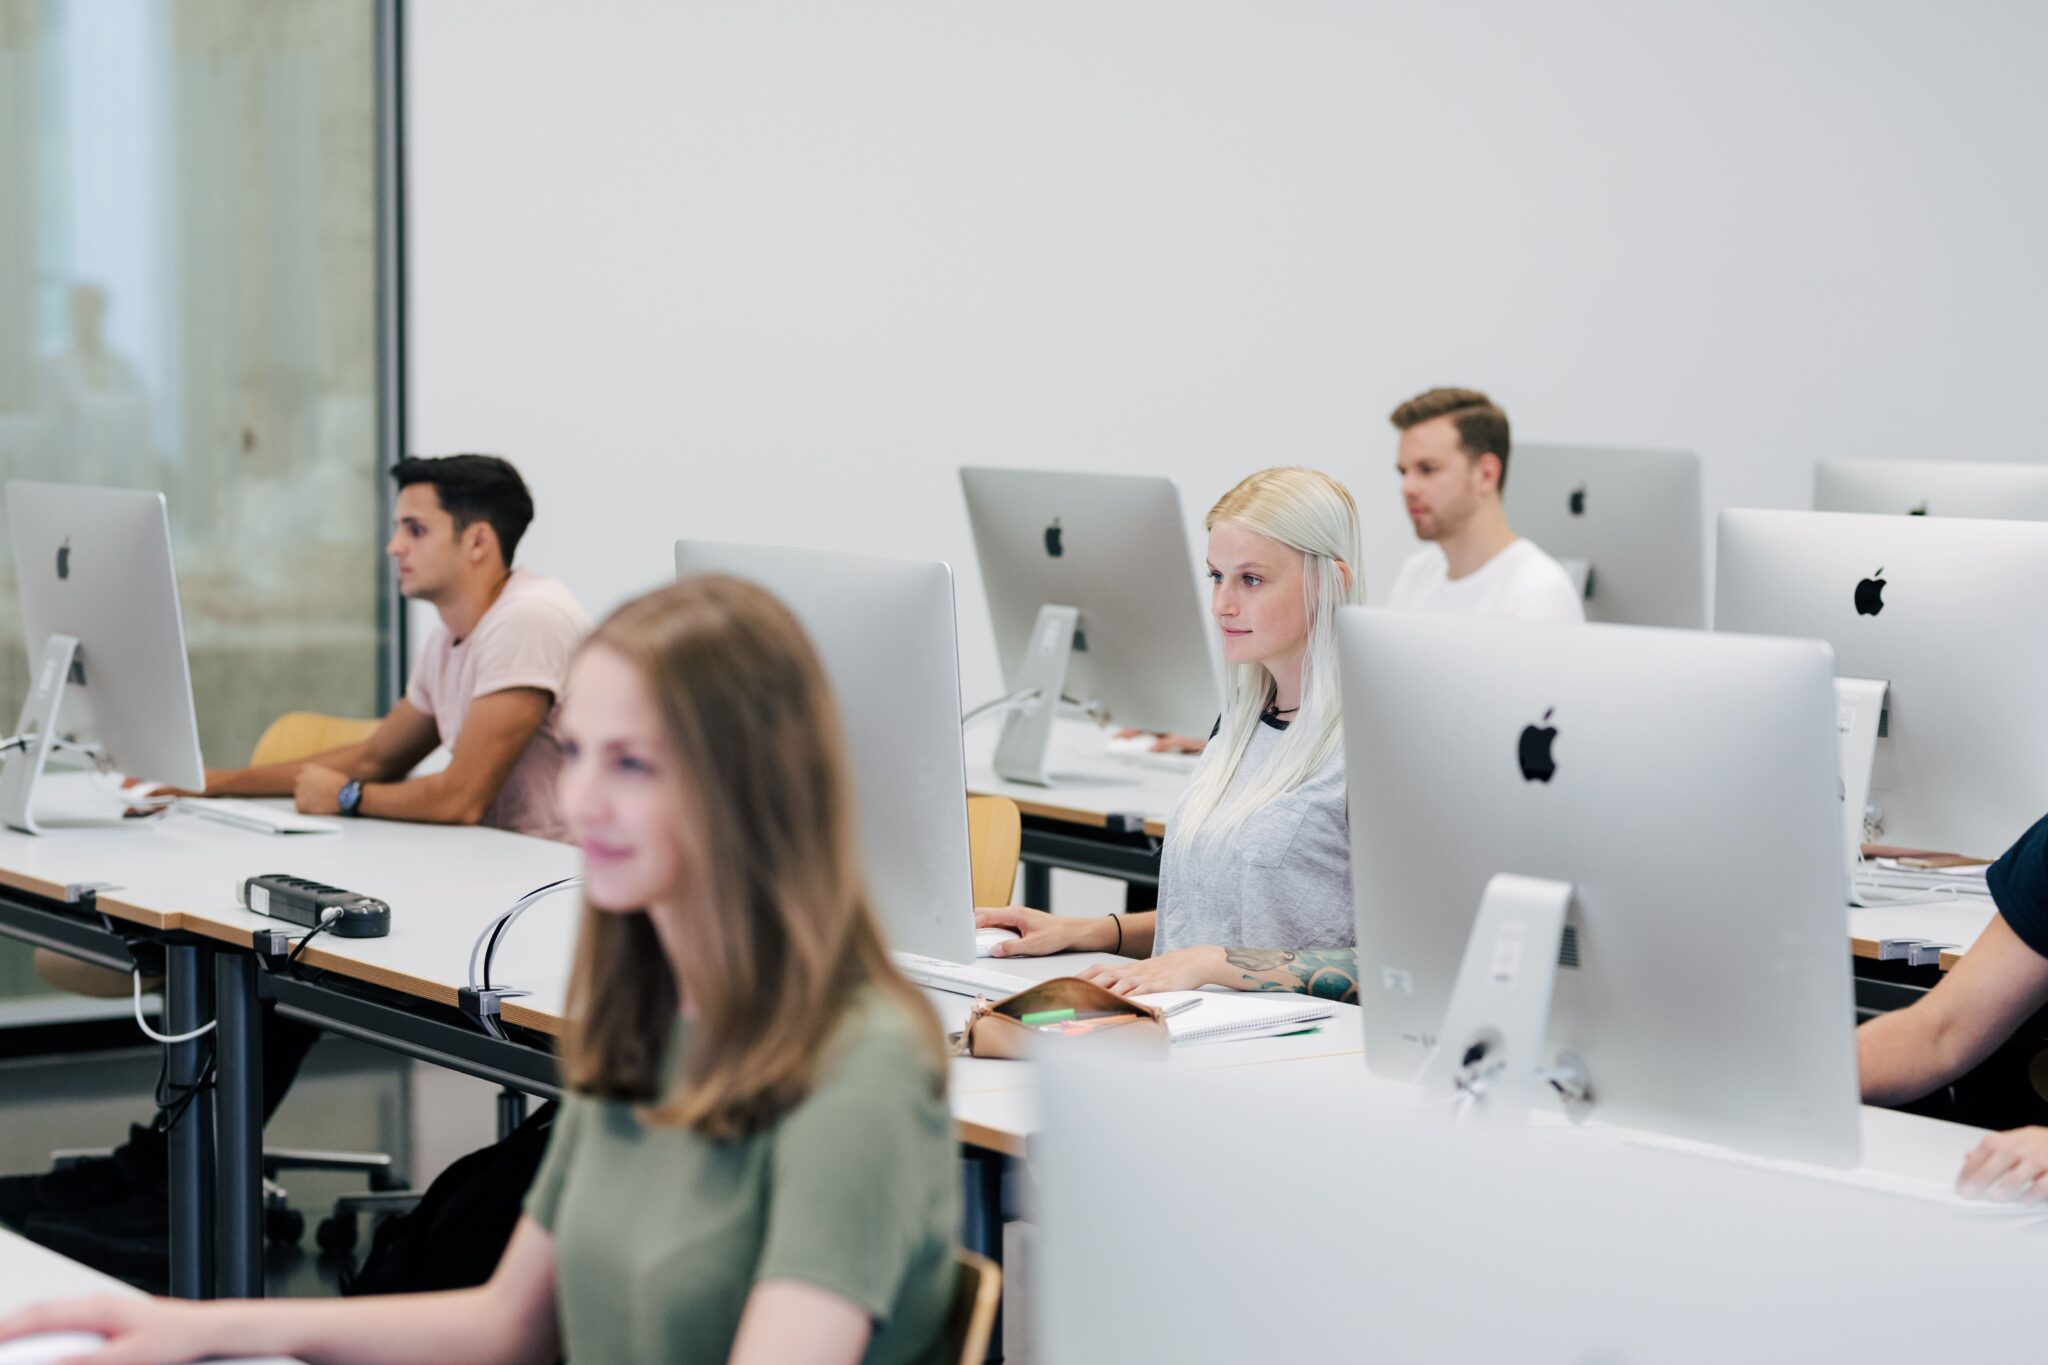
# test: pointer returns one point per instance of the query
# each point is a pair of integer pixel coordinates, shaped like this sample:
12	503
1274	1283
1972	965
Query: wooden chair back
976	1295
995	839
301	734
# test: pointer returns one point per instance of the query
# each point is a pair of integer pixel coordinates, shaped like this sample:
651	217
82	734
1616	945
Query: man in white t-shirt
1453	459
488	681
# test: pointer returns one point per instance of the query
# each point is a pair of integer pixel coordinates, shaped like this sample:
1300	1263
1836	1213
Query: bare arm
787	1320
495	733
1326	973
1997	985
1044	932
512	1318
400	741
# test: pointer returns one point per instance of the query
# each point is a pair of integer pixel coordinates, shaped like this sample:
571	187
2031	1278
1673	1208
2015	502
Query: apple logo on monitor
1870	595
1052	539
1534	753
1578	501
64	559
1919	511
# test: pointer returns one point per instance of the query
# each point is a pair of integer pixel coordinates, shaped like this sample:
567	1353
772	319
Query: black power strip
309	904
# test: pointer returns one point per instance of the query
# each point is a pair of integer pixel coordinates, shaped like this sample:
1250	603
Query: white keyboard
956	979
254	815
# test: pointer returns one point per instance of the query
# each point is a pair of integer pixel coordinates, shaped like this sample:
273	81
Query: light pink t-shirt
524	640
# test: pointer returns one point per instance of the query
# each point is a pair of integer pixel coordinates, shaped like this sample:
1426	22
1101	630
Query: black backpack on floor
455	1237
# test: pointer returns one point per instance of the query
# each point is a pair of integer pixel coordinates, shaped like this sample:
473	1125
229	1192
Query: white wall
770	271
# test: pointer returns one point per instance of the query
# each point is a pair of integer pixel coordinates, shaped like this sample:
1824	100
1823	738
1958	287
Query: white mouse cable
143	1024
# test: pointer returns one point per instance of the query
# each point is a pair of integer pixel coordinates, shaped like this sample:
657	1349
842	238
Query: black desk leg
1038	885
981	1174
238	1091
188	1004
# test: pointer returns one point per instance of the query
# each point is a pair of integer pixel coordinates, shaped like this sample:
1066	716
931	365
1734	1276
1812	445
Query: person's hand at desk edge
1161	744
1326	973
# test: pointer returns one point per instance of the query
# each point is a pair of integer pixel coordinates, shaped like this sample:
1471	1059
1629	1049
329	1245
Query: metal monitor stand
20	771
1023	753
1491	1051
1859	720
1580	571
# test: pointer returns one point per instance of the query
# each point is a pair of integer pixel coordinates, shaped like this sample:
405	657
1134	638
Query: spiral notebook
1226	1016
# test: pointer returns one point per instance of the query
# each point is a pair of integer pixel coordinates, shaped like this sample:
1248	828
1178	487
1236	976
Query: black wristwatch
351	796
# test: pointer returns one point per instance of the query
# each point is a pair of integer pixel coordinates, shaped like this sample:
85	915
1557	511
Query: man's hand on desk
144	789
2010	1167
152	798
318	790
1184	969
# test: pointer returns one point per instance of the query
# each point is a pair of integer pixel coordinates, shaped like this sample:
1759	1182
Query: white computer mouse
1140	743
46	1347
985	940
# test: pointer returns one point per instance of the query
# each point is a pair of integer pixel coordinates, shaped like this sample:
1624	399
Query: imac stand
1023	751
35	731
1859	720
1490	1050
1580	571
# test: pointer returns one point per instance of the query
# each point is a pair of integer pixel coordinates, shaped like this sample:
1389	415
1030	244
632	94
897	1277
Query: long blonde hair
777	935
1308	511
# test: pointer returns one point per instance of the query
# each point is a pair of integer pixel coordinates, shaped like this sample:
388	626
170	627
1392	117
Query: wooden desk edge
1068	815
109	904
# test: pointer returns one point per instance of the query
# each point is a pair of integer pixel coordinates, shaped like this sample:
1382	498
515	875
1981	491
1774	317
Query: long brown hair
775	932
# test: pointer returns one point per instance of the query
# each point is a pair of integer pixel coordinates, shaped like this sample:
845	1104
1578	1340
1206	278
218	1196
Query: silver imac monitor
884	630
1627	522
1682	786
1093	593
1942	612
1933	488
100	619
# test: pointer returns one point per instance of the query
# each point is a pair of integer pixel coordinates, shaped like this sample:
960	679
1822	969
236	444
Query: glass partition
189	302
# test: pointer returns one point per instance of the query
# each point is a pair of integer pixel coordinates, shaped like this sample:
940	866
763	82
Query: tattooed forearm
1327	973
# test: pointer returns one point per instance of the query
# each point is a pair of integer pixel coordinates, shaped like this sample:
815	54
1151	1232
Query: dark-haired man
1453	459
487	681
486	685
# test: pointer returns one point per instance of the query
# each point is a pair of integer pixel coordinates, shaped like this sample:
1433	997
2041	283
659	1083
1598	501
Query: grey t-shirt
1282	879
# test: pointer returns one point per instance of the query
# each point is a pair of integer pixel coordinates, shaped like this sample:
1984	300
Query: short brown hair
779	936
1482	427
474	488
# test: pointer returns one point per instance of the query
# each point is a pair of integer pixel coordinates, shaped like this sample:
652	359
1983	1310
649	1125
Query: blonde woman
755	1162
1255	877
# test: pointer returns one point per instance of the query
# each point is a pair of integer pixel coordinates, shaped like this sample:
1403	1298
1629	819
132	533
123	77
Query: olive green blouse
660	1233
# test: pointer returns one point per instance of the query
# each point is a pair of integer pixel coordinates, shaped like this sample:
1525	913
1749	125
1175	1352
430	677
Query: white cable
143	1024
518	908
1001	706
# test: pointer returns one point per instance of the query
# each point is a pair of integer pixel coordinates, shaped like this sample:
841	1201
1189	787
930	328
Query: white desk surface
30	1274
444	885
1090	783
996	1103
1431	1241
